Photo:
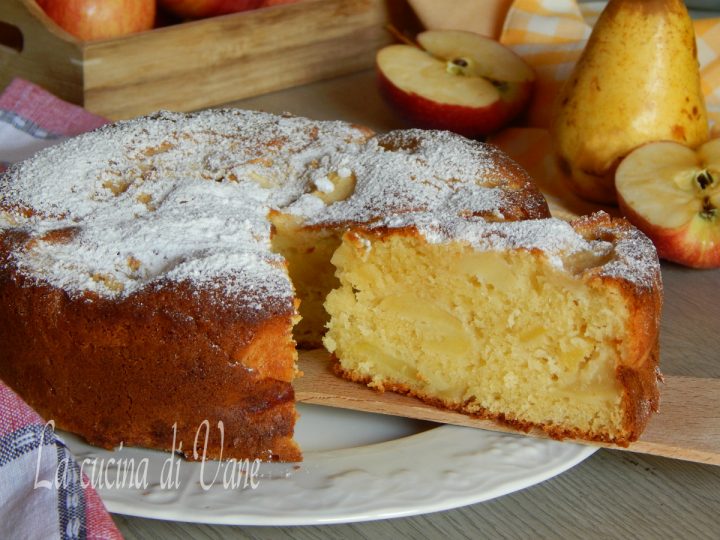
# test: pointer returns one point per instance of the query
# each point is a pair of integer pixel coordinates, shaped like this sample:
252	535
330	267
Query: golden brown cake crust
640	400
638	370
127	370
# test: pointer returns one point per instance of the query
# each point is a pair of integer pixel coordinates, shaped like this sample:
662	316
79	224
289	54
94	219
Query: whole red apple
455	80
672	193
197	9
101	19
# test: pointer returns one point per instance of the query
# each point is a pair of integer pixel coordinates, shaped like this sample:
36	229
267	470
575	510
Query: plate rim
572	454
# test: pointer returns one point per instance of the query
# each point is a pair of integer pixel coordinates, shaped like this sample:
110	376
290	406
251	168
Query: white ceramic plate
357	467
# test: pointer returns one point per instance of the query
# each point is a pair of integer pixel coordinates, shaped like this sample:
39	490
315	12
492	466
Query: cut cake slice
540	323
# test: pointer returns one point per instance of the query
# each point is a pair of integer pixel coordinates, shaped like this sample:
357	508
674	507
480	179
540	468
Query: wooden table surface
610	495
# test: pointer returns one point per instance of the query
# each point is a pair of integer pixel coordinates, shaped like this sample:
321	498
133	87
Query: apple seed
458	66
502	86
704	179
708	212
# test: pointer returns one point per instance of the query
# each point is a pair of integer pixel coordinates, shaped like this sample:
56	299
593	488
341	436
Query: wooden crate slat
197	64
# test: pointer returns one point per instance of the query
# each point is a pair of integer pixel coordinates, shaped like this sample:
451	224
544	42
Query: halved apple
672	193
455	80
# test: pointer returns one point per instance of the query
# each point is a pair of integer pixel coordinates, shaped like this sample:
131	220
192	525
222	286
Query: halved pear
672	193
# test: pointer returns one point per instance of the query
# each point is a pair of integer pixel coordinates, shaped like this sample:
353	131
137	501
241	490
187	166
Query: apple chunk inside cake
515	334
307	253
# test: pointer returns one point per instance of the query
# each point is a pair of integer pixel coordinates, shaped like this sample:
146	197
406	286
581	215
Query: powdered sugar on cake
413	171
594	244
186	197
182	197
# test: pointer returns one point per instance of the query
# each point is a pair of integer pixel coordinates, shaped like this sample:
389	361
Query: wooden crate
195	64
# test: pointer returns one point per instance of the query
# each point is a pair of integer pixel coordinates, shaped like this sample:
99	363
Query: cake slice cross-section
540	324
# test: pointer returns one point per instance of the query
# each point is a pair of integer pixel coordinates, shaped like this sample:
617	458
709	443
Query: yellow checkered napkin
550	35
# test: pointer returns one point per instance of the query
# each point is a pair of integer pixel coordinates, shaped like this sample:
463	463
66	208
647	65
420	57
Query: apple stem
397	34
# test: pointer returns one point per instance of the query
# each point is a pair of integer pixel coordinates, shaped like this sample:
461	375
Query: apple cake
150	271
540	323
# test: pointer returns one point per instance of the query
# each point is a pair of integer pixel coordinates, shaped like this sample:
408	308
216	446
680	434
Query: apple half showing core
672	194
455	80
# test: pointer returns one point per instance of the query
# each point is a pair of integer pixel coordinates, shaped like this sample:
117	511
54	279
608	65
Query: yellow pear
637	81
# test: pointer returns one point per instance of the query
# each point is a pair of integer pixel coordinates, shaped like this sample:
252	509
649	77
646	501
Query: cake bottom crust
640	400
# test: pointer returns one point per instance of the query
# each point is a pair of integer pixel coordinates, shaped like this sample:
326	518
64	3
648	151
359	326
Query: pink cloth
36	499
46	111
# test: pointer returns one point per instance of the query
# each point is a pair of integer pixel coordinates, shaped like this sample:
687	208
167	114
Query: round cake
151	270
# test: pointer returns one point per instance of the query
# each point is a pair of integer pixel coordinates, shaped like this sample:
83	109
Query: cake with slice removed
151	271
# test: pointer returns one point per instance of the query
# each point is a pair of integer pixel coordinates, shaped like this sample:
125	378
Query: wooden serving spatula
687	426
